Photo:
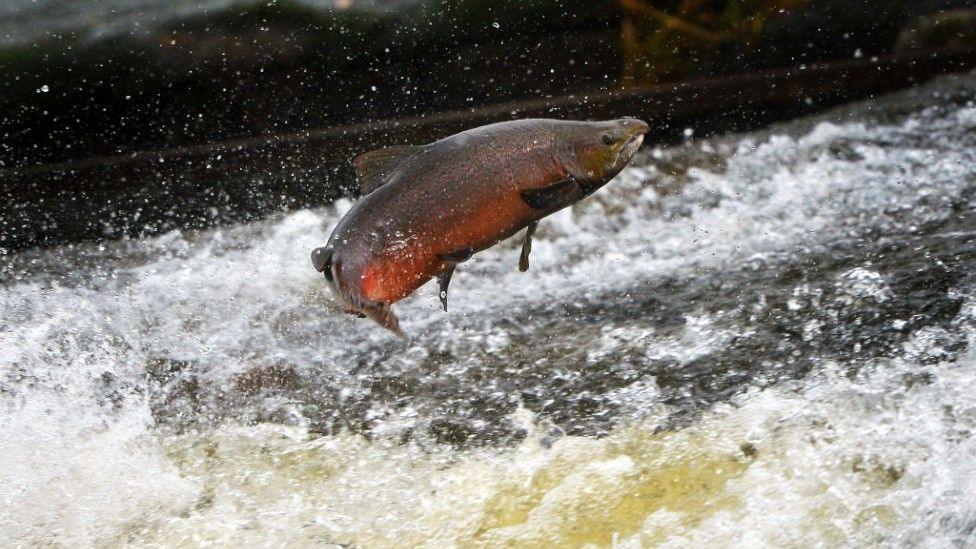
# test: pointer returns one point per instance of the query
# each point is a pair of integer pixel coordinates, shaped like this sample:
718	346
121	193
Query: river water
761	339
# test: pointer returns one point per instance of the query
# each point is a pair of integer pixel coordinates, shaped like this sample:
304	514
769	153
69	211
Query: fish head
601	150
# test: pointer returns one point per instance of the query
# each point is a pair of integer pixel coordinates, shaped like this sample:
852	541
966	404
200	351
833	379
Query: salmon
426	209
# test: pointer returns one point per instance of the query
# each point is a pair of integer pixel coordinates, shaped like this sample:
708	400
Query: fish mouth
629	148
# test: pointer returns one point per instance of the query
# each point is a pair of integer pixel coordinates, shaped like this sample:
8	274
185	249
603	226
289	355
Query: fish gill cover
759	339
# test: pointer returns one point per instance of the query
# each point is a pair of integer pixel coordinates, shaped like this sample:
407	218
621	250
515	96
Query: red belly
391	279
394	274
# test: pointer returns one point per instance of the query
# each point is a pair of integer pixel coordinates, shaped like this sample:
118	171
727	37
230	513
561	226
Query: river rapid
763	339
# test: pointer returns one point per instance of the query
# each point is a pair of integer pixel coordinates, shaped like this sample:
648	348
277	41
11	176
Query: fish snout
633	131
634	126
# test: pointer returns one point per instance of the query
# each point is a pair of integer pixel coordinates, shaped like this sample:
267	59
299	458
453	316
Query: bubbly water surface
759	339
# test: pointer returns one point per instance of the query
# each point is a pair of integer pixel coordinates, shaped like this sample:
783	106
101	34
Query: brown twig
672	21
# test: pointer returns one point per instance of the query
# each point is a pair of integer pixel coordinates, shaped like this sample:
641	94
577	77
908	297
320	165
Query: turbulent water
762	339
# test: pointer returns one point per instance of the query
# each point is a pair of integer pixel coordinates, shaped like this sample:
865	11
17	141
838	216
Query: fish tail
322	261
333	277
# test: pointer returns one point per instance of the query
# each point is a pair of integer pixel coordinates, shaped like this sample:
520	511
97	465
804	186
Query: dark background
118	120
258	68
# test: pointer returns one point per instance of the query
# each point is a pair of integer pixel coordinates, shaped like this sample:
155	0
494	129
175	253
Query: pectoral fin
550	195
355	312
443	280
527	246
457	256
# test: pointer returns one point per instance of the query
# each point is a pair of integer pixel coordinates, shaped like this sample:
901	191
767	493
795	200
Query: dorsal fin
375	167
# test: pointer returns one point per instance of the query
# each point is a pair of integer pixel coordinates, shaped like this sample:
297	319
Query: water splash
762	339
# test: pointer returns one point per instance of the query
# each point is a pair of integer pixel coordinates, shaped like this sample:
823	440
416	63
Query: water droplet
44	89
496	25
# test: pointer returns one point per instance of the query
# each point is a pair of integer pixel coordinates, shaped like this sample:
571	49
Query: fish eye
607	139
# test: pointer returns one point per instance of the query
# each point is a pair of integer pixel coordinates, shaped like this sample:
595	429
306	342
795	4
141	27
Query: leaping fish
425	209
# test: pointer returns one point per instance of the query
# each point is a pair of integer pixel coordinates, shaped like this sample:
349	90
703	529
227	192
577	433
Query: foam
83	462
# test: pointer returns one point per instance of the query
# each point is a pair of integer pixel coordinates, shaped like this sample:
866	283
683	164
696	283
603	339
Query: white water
829	459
